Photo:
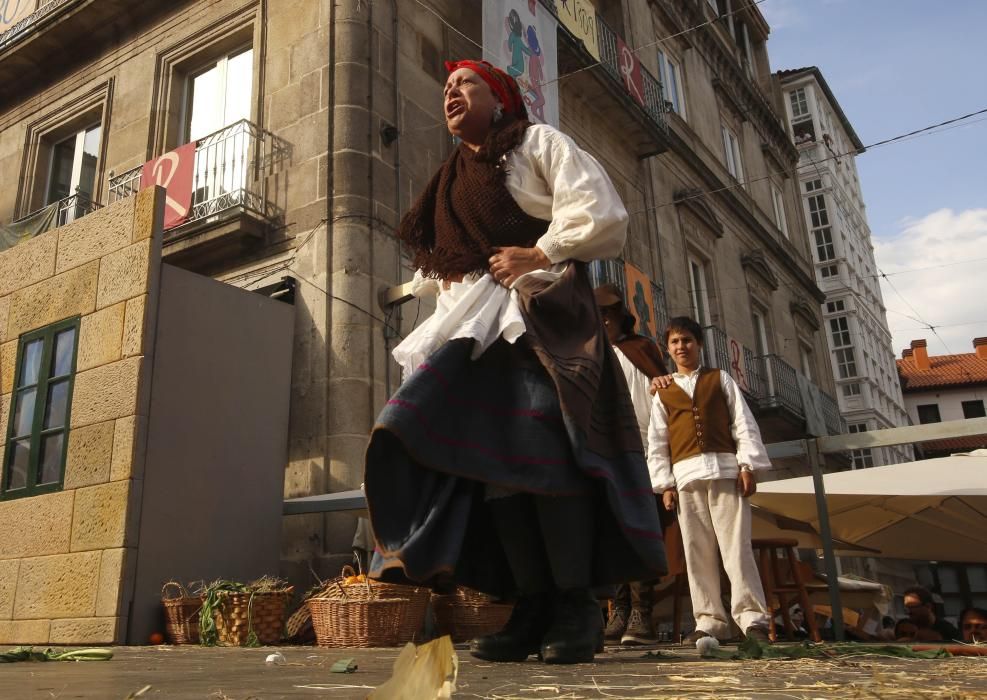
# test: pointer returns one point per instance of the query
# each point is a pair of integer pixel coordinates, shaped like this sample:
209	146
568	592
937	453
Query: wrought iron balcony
36	43
736	359
654	101
834	420
60	213
29	23
781	387
654	110
230	176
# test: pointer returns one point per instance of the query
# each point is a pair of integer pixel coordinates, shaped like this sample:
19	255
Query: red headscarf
503	85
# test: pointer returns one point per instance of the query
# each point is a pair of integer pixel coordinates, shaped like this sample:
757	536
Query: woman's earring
498	112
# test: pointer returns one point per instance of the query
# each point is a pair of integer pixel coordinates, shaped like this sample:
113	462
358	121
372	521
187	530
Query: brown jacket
700	424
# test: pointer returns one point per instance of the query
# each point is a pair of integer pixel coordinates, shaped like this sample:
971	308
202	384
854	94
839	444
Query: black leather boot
521	636
576	628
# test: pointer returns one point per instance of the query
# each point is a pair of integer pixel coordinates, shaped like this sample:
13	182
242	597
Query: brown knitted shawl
466	210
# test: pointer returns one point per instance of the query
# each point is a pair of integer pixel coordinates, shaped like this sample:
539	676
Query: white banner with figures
521	37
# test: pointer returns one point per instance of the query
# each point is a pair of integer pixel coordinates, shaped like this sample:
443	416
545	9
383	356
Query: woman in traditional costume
510	459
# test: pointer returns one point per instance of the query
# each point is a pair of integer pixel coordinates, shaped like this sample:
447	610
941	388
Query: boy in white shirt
703	448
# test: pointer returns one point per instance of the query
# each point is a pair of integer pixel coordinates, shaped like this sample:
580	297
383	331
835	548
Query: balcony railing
781	385
717	353
654	102
230	173
831	409
67	210
27	25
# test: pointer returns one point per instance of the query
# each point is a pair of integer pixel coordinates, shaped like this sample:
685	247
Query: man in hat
630	621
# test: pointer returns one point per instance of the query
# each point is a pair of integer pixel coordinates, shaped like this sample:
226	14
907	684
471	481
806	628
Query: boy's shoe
691	639
615	625
639	630
758	633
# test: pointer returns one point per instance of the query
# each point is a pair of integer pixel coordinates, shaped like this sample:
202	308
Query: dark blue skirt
458	430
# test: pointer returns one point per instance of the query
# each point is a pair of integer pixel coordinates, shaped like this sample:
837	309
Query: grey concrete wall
217	440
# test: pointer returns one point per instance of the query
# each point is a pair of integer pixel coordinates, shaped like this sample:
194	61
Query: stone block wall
67	558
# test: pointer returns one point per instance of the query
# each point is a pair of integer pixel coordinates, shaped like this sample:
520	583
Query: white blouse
550	178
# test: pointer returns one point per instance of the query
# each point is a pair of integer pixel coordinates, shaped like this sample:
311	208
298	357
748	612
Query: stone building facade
322	121
68	549
856	324
120	381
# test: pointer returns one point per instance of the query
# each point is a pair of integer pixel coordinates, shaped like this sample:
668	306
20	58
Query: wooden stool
778	588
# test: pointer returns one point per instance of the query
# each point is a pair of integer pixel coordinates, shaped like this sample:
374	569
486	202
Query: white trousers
714	516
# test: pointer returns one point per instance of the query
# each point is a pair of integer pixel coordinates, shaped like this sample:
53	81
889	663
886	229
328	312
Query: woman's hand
507	264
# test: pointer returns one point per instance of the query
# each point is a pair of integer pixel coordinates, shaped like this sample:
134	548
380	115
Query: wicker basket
181	611
236	615
341	621
466	614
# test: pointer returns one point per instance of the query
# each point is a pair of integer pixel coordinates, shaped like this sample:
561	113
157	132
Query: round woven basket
467	614
341	616
181	611
236	615
340	622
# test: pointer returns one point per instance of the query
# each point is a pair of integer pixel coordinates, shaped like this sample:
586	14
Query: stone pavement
184	673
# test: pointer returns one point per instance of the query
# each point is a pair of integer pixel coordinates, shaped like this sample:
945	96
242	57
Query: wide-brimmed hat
608	295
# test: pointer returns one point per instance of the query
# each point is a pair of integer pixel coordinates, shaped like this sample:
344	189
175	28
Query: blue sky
896	66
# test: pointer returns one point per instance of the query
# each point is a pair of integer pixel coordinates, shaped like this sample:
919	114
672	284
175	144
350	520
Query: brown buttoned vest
700	424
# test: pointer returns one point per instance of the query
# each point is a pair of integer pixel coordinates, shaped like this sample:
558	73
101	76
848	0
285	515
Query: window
800	104
697	292
840	330
825	250
846	364
817	211
863	457
761	346
928	413
813	185
731	148
835	306
829	271
852	389
974	409
805	356
218	96
778	202
39	412
670	77
73	170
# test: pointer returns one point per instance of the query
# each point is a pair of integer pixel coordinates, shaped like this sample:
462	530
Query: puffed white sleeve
588	219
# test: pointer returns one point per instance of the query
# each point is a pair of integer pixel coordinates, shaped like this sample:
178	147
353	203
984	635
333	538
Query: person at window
510	458
929	627
973	625
630	621
703	448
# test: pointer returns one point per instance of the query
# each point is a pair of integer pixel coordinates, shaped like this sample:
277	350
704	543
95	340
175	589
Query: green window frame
40	410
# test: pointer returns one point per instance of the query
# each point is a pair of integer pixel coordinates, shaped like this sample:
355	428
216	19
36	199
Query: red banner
175	172
630	71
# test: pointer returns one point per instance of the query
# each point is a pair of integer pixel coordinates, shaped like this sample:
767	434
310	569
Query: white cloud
945	296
